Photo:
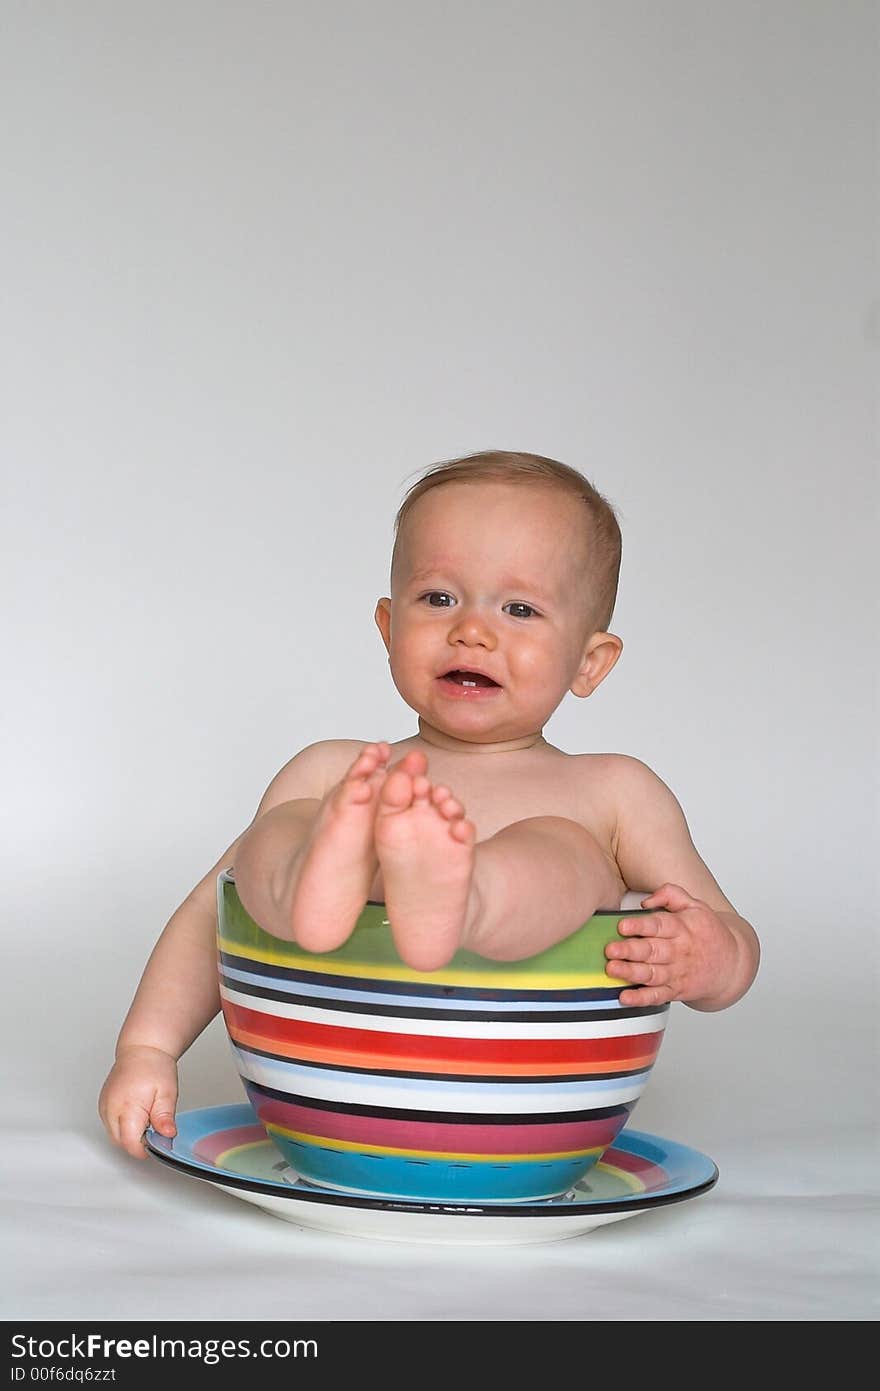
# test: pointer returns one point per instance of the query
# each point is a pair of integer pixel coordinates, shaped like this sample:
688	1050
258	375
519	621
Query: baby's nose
473	625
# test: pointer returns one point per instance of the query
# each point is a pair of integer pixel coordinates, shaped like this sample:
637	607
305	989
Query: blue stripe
320	992
395	1177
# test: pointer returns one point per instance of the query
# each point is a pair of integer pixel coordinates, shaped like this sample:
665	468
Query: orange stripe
382	1062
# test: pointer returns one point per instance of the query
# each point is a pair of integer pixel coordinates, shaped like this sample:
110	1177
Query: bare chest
498	789
495	797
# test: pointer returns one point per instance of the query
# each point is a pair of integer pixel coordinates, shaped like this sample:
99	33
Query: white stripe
511	1098
449	1028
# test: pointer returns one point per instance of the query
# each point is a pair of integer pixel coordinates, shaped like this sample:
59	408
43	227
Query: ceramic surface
486	1081
227	1147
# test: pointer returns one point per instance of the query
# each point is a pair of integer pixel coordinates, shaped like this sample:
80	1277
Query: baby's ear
600	655
383	620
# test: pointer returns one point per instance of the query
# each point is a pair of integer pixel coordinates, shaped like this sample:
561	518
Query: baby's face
490	579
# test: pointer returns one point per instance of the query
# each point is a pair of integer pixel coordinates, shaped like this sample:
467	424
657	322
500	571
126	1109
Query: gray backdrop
263	264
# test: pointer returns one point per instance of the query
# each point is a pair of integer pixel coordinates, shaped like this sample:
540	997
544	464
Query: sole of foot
338	861
425	846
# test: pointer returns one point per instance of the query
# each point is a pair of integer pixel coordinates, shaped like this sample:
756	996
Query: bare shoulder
598	765
635	789
311	772
602	777
651	840
629	776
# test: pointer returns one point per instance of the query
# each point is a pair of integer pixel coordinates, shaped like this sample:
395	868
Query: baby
475	833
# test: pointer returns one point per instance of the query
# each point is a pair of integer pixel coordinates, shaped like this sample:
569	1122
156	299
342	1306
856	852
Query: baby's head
506	566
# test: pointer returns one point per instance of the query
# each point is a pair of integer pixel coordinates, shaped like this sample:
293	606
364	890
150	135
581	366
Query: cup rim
227	876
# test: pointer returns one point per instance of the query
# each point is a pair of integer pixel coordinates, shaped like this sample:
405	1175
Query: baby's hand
686	953
141	1090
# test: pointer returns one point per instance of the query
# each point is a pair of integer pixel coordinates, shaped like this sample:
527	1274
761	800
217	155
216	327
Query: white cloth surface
91	1233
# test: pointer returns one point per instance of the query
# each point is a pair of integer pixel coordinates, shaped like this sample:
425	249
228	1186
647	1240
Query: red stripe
440	1137
651	1175
457	1067
426	1048
210	1146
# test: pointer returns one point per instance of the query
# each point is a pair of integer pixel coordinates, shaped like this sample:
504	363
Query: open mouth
470	679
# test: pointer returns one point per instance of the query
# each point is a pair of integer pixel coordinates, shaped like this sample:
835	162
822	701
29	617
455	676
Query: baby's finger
654	949
671	896
132	1124
639	972
162	1117
645	996
654	925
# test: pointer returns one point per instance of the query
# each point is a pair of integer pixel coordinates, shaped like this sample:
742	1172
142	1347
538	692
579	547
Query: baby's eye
437	594
516	605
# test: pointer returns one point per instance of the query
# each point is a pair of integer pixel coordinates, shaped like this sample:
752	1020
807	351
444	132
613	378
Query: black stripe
394	1113
519	1077
550	1016
392	987
599	913
438	1209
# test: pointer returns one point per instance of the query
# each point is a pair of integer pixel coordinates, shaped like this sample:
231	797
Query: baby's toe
396	792
463	830
365	762
414	762
447	805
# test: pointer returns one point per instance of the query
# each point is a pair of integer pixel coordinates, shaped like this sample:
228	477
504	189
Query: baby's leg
536	881
307	869
508	897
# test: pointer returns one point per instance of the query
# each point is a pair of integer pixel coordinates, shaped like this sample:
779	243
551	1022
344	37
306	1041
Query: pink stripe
439	1136
651	1175
210	1147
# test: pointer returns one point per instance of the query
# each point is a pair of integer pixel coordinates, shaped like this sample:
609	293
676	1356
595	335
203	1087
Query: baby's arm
699	950
178	995
176	999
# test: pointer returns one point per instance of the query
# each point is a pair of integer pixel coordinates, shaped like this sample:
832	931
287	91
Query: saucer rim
437	1207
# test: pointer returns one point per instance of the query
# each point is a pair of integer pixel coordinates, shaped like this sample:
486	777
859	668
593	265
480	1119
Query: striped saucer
227	1148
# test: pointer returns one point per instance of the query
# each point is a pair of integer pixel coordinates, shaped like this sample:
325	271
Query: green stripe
371	943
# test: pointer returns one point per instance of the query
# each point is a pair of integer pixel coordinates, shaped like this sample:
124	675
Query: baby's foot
337	862
426	849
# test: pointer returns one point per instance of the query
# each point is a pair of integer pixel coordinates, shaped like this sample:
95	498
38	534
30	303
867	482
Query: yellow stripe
353	1146
227	1157
623	1175
534	980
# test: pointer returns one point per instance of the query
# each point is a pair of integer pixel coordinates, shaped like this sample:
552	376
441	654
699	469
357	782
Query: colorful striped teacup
484	1081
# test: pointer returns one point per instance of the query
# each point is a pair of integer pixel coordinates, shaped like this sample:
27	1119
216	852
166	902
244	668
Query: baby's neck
439	740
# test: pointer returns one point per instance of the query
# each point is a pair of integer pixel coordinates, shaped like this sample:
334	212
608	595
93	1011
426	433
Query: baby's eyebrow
431	572
423	574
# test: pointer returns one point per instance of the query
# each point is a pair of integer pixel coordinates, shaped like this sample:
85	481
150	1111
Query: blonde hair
602	532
